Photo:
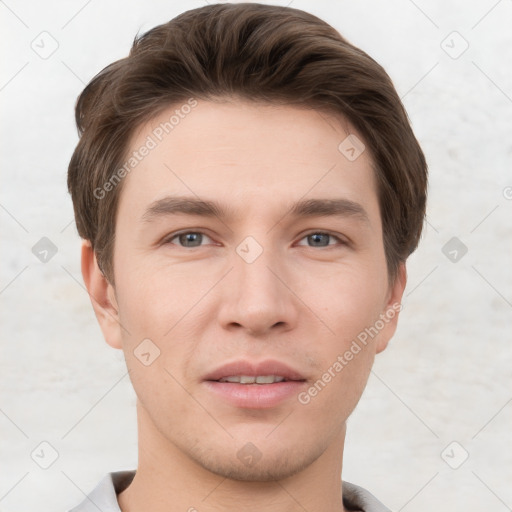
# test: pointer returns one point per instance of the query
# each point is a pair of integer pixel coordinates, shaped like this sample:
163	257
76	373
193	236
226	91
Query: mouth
259	379
248	372
255	385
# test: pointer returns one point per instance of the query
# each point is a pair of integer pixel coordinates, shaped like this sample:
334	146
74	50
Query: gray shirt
104	496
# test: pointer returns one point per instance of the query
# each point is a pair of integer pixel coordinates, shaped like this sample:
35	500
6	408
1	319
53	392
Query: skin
302	301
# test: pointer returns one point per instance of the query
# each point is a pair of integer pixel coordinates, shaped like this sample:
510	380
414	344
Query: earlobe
102	295
392	308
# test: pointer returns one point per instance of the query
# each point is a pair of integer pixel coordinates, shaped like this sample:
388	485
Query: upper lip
254	369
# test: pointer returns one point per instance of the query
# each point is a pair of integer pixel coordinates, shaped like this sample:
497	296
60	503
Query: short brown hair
258	53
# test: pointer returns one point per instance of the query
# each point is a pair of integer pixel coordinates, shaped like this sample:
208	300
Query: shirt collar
104	496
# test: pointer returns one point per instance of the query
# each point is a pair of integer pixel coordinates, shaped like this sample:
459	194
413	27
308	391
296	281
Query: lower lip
256	396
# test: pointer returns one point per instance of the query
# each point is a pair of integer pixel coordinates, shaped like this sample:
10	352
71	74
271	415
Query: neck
168	479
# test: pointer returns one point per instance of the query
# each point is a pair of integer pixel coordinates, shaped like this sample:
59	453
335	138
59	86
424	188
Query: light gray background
444	378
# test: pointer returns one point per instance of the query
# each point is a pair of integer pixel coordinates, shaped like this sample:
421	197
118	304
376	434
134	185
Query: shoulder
104	496
357	498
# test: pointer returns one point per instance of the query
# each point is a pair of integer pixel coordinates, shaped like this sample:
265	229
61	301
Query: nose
256	295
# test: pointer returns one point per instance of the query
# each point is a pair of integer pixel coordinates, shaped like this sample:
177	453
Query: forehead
251	156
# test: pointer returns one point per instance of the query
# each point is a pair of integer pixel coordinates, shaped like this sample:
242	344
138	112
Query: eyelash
169	239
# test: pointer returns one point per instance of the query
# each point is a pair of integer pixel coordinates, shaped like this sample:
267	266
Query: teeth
247	379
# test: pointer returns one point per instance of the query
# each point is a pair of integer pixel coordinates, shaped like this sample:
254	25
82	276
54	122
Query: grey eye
319	239
189	239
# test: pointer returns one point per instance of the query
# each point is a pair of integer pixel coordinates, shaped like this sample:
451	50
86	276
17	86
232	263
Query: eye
191	239
321	239
187	239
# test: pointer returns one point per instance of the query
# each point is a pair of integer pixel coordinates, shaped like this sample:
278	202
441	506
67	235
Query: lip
245	367
255	396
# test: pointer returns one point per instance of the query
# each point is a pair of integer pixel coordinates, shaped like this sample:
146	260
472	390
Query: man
248	189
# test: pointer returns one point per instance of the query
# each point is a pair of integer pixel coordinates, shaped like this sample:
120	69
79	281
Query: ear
392	308
102	296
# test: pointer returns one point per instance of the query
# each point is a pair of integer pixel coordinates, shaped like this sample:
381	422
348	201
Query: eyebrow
175	205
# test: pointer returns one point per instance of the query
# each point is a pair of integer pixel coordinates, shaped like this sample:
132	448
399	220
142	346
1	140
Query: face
290	267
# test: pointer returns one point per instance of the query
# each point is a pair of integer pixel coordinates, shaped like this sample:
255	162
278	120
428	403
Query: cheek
347	301
162	306
334	394
158	388
149	301
347	306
